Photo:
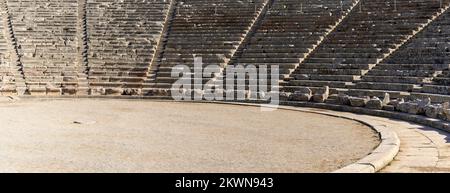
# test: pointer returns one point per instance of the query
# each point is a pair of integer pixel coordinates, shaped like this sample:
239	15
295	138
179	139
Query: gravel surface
88	135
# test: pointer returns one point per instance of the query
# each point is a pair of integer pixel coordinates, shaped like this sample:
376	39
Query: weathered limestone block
415	107
386	99
447	114
114	91
6	90
303	94
423	103
98	91
388	108
298	96
358	102
82	91
69	90
162	92
375	103
149	92
37	91
410	107
402	107
396	103
343	99
132	91
52	90
158	92
305	90
432	111
436	111
70	79
442	114
285	96
322	96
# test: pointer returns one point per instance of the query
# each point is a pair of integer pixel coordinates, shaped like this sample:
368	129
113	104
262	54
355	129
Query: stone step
436	89
386	86
317	83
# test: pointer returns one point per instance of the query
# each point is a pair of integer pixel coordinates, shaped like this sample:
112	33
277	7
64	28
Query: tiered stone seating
415	63
46	32
122	37
7	78
289	30
368	34
440	84
211	29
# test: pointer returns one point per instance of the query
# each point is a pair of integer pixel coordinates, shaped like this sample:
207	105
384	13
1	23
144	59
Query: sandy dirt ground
88	135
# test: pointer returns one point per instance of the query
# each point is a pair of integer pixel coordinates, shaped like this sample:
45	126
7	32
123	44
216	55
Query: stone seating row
211	29
363	39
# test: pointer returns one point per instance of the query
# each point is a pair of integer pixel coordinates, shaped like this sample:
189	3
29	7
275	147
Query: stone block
97	91
447	114
386	99
132	91
410	107
388	108
37	91
54	91
343	99
322	95
304	90
436	110
285	96
114	91
320	98
396	103
69	90
375	103
358	102
298	96
302	94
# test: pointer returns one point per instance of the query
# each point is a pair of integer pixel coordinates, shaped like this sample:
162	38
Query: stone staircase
153	68
123	37
206	29
11	69
83	50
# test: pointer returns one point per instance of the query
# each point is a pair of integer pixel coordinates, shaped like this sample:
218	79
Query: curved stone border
380	157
